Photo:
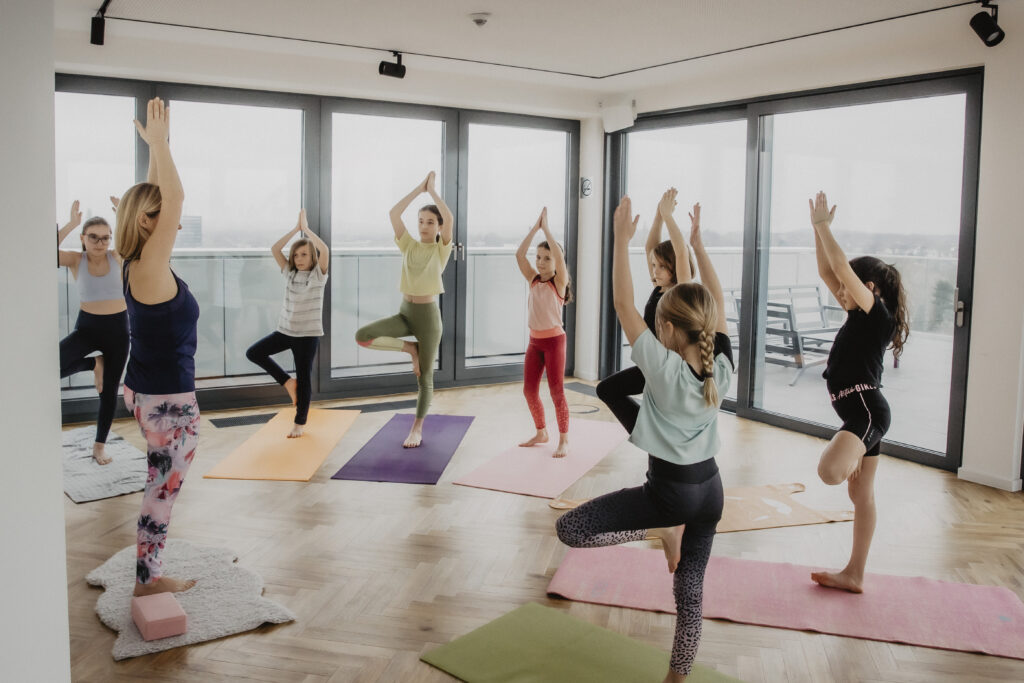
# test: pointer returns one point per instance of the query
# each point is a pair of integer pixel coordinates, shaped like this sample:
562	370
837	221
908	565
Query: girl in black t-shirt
873	296
668	263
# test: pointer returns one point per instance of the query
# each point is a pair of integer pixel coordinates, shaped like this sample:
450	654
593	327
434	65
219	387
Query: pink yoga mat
898	609
533	472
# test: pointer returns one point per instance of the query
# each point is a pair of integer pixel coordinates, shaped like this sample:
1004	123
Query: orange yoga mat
269	454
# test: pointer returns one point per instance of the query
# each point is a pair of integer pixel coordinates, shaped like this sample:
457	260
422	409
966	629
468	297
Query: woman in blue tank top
159	386
102	323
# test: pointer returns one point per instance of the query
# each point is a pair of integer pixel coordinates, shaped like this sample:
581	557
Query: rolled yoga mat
384	459
537	644
757	507
533	472
269	454
897	609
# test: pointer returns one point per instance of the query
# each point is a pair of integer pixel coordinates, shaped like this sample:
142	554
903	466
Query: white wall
33	581
923	44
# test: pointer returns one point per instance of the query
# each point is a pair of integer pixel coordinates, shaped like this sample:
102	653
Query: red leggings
547	352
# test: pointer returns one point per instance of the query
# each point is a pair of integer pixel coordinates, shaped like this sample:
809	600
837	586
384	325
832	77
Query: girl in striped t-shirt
300	324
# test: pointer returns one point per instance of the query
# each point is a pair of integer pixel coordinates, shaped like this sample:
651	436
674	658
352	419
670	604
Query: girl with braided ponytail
872	294
668	263
687	362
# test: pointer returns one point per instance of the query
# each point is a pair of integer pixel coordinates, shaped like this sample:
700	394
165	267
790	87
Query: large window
894	169
900	160
95	158
706	162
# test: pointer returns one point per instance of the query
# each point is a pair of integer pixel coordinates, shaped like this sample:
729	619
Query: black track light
396	70
98	24
986	25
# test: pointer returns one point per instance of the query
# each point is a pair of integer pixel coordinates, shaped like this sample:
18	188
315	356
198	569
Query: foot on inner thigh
563	446
99	455
296	432
413	349
415	437
97	373
164	584
540	437
844	580
671	542
291	386
673	677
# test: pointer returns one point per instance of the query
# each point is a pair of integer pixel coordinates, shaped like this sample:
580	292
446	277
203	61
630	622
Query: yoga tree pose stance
300	325
668	263
159	386
102	323
423	261
872	294
688	366
549	292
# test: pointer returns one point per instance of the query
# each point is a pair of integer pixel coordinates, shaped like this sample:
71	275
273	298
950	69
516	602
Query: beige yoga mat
269	454
757	507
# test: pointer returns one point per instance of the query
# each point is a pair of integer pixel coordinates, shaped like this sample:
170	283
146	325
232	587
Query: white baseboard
988	480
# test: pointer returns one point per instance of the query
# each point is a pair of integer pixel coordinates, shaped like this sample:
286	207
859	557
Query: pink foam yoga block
159	616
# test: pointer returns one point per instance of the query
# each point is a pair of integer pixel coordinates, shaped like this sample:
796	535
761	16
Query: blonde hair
691	311
130	237
666	256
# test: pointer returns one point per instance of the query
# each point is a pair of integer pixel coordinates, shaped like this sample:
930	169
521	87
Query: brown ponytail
889	285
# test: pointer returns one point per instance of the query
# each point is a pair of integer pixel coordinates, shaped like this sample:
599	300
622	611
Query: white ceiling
587	38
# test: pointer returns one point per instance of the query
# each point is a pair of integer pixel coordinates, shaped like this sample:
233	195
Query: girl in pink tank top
549	292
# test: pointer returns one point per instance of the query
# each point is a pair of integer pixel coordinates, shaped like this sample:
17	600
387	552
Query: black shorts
865	413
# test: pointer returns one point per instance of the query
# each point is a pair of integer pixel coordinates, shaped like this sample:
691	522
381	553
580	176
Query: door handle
958	308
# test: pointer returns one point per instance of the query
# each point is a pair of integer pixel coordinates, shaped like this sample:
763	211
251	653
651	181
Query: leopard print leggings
626	515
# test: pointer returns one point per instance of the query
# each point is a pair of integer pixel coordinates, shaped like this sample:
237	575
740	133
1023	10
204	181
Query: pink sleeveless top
545	306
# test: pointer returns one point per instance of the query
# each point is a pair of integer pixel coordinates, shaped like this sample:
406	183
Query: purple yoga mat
384	459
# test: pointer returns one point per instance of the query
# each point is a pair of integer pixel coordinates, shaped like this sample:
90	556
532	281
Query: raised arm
825	271
708	276
653	240
561	269
525	267
448	224
70	259
277	249
157	252
324	260
682	253
622	279
398	209
821	219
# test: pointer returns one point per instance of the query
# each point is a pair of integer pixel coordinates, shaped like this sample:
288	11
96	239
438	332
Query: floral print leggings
170	424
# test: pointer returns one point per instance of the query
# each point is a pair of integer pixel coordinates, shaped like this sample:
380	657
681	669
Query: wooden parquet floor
380	573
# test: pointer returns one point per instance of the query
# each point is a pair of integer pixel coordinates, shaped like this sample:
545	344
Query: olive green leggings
422	321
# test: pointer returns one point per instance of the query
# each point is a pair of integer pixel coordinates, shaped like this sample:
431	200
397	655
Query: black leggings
674	494
615	390
304	350
107	334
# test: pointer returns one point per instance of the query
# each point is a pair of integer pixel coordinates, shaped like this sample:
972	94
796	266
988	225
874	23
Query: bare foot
563	446
97	373
296	432
291	386
99	455
413	349
540	437
671	541
414	439
164	584
840	580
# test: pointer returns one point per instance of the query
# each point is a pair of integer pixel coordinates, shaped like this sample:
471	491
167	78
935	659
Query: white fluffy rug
84	480
226	600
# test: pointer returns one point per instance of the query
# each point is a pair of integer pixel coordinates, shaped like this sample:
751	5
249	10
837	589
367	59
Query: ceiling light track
554	71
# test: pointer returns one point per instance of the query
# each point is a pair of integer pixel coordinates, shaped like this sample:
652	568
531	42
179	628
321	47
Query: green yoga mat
537	644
